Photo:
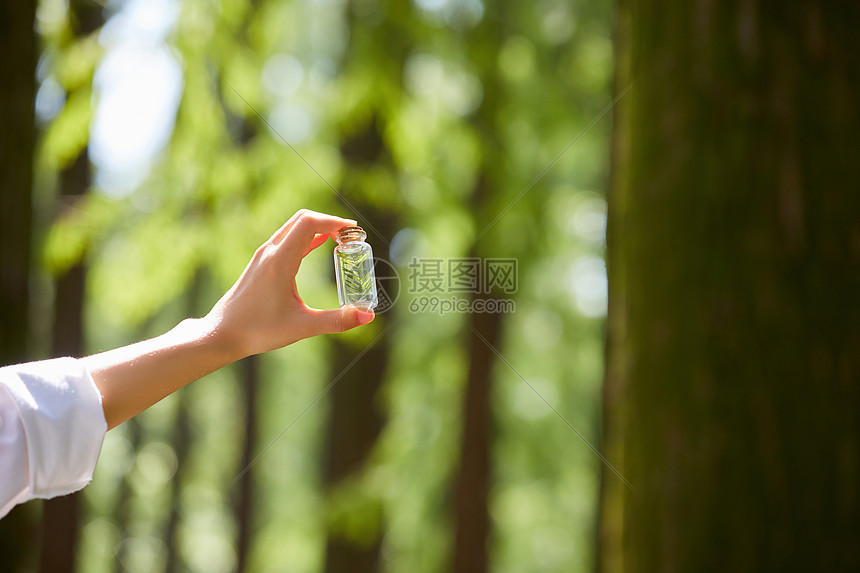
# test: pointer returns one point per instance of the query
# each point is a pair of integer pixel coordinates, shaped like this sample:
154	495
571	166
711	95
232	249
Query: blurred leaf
77	64
69	132
72	234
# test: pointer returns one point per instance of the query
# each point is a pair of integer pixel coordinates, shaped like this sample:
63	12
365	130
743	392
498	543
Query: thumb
340	319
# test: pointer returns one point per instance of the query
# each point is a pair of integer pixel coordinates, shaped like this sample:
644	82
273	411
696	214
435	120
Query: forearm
135	377
262	311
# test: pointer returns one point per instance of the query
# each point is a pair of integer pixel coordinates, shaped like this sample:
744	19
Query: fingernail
364	317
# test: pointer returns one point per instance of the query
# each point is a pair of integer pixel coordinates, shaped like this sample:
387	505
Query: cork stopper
350	235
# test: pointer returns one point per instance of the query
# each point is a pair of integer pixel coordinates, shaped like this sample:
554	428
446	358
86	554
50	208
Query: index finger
281	233
302	233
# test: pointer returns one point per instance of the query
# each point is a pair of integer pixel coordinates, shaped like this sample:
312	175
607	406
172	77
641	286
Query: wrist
224	336
210	334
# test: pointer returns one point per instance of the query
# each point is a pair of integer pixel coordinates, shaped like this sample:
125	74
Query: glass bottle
353	269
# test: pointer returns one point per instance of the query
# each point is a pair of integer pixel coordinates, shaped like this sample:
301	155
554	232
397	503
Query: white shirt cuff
64	425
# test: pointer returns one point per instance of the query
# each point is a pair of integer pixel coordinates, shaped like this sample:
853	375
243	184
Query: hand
263	310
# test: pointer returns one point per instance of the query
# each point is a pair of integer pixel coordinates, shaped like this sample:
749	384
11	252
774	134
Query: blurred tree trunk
249	378
124	512
181	445
472	519
472	482
474	472
249	382
181	442
17	140
61	516
354	424
733	373
354	421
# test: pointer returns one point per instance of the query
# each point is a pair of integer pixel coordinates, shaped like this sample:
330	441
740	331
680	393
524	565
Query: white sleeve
51	430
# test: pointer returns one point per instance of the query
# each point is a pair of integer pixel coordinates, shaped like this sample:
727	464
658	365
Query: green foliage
69	132
356	274
67	239
77	63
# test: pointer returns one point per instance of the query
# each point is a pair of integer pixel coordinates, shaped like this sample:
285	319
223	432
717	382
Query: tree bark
61	516
354	420
472	482
182	446
123	510
249	382
474	472
733	371
182	441
249	376
354	424
17	140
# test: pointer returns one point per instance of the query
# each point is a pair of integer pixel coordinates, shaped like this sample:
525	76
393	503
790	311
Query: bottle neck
350	235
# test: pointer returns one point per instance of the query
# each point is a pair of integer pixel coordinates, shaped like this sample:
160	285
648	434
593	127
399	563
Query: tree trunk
17	140
61	516
354	424
471	552
354	420
472	487
733	374
473	477
249	383
249	376
124	512
182	446
182	440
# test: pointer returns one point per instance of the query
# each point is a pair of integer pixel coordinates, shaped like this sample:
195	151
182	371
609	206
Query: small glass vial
353	269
